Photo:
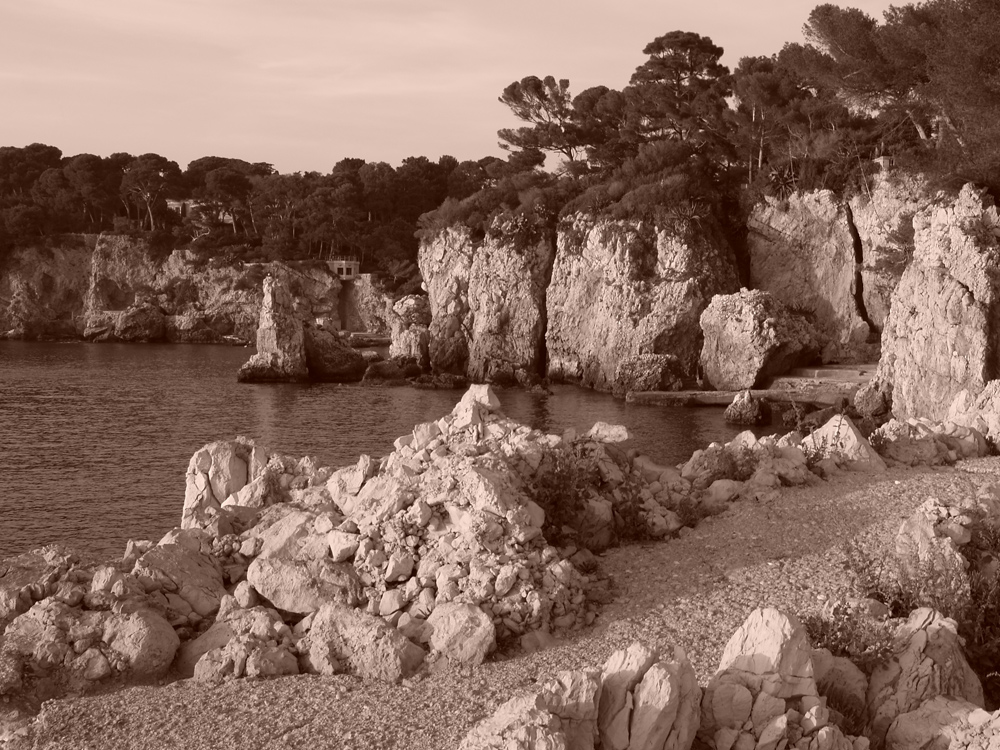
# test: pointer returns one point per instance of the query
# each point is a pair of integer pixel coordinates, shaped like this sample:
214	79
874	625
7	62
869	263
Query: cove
95	439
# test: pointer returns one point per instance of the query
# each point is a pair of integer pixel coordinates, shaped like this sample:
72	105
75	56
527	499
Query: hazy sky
304	83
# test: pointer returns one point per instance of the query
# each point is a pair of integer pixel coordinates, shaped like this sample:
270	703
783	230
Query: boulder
751	337
143	640
330	360
27	573
841	440
620	289
927	662
372	648
522	723
388	371
622	672
774	647
193	575
648	372
978	409
462	632
747	409
304	587
938	724
140	323
281	350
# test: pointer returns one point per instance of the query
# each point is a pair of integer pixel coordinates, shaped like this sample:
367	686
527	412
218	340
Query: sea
95	439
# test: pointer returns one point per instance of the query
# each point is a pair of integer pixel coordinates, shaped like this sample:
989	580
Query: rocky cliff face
42	290
942	331
838	260
620	289
515	307
487	300
118	288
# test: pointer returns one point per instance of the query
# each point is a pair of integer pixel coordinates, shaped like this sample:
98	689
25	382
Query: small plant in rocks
854	634
560	490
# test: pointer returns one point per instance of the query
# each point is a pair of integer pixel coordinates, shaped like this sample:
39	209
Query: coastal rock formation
751	337
112	287
281	349
648	372
621	289
746	409
839	260
507	302
938	339
488	300
445	265
927	662
409	323
328	359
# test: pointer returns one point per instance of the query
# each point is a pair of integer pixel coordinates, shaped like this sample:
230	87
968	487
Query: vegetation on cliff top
686	139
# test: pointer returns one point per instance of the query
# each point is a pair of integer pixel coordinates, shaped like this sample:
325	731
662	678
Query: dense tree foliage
685	138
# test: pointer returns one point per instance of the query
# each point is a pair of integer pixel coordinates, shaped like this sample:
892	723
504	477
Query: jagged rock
445	265
939	333
666	705
978	410
374	649
140	323
839	680
303	587
620	289
462	632
30	572
622	672
747	409
193	575
927	662
281	350
751	337
648	372
774	648
507	289
873	400
802	251
329	360
384	372
936	724
522	723
573	697
840	439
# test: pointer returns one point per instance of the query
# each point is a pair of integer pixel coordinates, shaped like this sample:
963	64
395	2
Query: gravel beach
693	591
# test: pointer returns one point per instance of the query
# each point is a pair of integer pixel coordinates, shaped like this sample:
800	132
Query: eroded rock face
621	289
329	359
409	321
751	337
487	300
938	339
928	662
281	350
445	265
803	252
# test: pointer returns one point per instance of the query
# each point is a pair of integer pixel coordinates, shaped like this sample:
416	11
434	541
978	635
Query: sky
301	84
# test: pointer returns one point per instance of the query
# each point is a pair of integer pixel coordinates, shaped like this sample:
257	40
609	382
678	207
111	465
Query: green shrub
559	488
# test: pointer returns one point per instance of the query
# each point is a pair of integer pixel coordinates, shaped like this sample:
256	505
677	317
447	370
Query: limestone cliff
942	331
838	260
445	264
621	289
487	300
118	288
520	303
42	290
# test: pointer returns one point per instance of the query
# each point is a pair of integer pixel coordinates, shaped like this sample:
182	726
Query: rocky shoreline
399	570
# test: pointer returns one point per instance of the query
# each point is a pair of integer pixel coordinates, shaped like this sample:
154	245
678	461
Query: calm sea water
95	439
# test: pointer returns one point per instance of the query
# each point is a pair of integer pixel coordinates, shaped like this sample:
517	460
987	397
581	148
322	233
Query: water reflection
95	439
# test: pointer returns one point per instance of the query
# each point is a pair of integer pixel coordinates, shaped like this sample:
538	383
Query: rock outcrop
409	323
488	300
621	289
940	334
839	260
281	349
751	337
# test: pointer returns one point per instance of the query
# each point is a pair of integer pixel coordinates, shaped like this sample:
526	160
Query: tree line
686	137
